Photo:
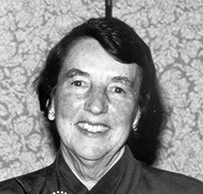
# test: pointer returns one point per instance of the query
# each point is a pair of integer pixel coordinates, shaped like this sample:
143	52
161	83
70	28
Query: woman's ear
51	109
136	120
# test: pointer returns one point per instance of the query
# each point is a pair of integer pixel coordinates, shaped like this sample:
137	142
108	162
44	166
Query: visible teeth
93	128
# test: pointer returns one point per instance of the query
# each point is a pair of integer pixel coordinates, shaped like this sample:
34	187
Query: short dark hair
122	43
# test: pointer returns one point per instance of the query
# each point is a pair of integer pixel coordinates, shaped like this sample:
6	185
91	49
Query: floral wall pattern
172	29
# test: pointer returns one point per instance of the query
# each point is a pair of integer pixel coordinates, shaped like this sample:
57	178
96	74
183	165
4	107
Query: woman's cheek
69	105
124	108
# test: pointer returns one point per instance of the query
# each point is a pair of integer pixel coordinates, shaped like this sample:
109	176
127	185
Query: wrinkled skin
95	104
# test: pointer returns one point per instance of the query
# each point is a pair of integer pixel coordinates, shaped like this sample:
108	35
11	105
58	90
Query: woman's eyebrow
73	72
70	74
124	80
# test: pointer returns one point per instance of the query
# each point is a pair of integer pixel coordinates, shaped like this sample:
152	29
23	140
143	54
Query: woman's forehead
88	56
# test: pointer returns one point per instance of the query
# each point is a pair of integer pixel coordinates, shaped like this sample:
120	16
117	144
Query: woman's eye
77	83
118	90
79	86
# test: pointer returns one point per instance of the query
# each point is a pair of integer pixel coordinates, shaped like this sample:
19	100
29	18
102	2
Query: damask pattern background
173	29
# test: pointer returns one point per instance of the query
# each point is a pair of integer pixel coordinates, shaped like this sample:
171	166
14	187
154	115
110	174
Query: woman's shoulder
171	182
25	183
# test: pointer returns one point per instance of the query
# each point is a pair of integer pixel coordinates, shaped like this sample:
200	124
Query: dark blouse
127	176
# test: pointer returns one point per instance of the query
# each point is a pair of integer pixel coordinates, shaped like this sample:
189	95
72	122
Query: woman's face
95	101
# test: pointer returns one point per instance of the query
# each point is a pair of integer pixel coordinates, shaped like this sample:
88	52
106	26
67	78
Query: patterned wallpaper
172	29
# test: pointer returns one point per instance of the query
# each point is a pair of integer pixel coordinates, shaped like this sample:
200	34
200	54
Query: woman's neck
90	172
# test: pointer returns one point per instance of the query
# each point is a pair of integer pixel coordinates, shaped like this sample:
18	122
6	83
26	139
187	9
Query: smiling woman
94	109
99	91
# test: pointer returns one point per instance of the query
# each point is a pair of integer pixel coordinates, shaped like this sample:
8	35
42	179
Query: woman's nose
96	102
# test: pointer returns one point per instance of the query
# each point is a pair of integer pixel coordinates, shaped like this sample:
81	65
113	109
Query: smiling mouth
93	128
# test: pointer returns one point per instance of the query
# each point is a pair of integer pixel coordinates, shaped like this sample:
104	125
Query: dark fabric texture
127	176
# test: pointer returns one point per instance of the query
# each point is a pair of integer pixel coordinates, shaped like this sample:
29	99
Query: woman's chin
92	155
